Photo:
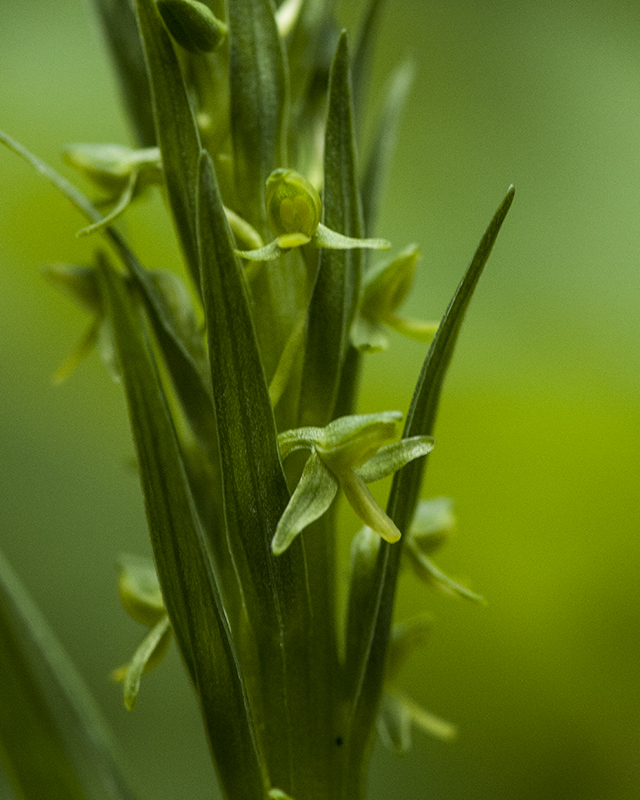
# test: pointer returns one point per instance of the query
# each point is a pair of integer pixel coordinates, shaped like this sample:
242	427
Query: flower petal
427	570
393	457
366	507
325	237
269	252
313	495
150	651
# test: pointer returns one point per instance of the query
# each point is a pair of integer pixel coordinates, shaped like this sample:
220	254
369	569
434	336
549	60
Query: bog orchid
242	385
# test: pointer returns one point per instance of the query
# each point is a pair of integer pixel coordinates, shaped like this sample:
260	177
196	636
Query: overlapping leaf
258	85
336	290
255	493
189	589
176	129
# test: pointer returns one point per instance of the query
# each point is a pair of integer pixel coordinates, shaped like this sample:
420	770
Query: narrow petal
427	570
366	507
314	494
269	252
392	457
325	237
151	649
413	328
428	722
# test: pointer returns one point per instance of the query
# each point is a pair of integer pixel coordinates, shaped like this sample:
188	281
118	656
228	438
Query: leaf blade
337	287
258	86
369	652
189	589
52	734
255	491
176	129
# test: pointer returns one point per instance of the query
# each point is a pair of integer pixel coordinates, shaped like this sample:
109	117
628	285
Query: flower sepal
348	453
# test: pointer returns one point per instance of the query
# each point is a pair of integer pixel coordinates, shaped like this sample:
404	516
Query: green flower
141	597
385	289
398	712
294	209
118	171
348	453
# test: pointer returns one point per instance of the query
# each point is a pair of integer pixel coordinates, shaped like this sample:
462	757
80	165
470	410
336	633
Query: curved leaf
365	672
181	555
53	742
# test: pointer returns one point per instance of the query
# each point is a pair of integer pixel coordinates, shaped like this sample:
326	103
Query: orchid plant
242	389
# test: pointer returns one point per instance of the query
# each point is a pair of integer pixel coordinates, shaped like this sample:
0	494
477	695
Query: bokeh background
539	430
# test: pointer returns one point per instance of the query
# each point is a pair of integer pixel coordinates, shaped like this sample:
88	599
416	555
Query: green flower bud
293	205
139	590
192	25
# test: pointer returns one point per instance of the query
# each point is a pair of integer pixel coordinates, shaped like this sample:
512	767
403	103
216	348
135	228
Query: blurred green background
539	427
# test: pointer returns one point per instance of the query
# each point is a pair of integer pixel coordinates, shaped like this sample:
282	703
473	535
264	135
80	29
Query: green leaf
53	742
258	102
192	24
255	493
123	41
176	129
181	555
366	669
337	287
381	152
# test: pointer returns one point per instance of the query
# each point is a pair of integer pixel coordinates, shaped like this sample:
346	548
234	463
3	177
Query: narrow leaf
120	29
258	101
189	589
336	291
53	741
367	669
176	129
254	486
